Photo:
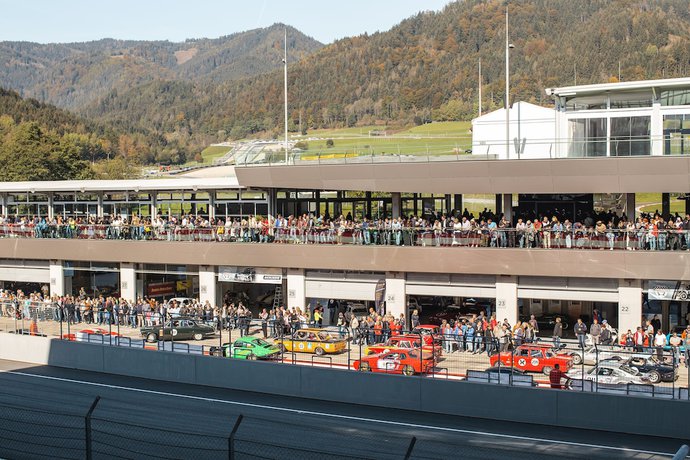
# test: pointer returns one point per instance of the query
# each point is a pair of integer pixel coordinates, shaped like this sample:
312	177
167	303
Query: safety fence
464	353
531	237
91	431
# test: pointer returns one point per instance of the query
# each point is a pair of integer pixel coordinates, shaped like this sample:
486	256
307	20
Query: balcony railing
585	238
410	150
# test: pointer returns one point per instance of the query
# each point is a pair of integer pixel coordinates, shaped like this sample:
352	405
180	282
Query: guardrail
357	234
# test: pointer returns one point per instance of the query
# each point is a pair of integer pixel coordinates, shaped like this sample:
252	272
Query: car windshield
324	336
628	370
261	342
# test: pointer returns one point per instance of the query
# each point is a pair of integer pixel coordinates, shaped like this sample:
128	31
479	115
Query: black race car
650	367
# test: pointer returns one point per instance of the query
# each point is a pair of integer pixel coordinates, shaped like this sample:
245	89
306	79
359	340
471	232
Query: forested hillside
74	74
426	67
172	99
41	142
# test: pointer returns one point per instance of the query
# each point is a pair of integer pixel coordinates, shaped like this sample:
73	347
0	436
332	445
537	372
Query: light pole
507	98
286	99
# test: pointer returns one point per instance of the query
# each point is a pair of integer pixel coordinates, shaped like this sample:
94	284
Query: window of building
631	100
588	137
586	103
675	97
677	134
630	136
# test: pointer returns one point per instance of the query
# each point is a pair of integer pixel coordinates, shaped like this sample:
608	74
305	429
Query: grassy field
431	139
651	202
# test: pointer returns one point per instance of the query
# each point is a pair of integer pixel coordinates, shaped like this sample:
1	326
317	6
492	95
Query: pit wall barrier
560	408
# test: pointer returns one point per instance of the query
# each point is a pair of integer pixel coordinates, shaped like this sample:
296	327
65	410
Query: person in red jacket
555	377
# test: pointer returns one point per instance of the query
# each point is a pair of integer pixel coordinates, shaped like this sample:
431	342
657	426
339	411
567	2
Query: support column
207	284
397	204
506	299
128	281
499	204
367	211
272	201
629	305
154	205
296	289
57	277
665	205
396	298
508	206
99	205
211	208
50	206
447	204
457	204
687	204
630	206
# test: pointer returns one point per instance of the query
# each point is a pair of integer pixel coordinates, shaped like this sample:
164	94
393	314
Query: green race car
249	348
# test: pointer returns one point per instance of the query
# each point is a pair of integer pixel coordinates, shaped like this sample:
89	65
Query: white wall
296	289
57	278
207	284
128	281
345	290
506	299
629	305
396	298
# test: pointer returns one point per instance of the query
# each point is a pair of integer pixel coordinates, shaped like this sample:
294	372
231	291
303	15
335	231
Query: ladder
277	296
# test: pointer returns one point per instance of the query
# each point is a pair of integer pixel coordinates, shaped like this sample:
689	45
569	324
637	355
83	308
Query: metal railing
410	149
357	234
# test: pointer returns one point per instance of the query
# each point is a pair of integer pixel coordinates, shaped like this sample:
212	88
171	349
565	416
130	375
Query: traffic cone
33	328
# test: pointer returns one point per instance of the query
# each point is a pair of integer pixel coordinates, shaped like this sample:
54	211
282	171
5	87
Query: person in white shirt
659	343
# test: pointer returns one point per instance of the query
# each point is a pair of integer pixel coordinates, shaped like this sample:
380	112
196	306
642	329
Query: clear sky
62	21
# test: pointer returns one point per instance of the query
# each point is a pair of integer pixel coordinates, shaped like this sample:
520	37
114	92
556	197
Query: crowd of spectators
549	230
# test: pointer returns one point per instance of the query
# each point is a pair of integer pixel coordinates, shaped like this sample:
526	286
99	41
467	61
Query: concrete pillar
207	284
629	305
630	206
154	205
296	290
128	281
499	204
50	206
271	199
457	203
665	205
57	277
508	206
396	298
687	204
100	204
397	204
211	207
506	298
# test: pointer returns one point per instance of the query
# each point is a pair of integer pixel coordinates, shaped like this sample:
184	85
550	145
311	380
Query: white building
532	130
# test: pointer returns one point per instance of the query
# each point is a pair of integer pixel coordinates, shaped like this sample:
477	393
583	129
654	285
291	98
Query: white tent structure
532	133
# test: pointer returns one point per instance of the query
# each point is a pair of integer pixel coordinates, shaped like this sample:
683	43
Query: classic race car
532	358
591	354
178	329
407	362
311	340
402	341
91	335
247	347
609	372
650	367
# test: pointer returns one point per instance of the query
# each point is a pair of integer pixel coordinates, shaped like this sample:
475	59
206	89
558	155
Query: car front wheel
319	351
546	370
251	357
408	370
654	377
198	336
577	359
151	337
365	367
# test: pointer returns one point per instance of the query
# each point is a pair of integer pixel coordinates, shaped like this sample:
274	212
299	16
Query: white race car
609	372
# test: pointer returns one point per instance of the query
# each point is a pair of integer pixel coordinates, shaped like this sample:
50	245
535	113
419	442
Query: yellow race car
311	341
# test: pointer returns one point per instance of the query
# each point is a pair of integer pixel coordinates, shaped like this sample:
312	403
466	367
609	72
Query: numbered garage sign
522	362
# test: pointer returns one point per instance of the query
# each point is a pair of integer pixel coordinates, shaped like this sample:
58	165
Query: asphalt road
138	418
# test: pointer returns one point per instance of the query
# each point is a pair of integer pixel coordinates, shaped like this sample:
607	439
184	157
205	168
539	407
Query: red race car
409	341
397	361
533	358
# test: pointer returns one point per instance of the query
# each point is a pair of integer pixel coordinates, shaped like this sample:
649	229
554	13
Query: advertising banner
668	290
250	275
160	289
